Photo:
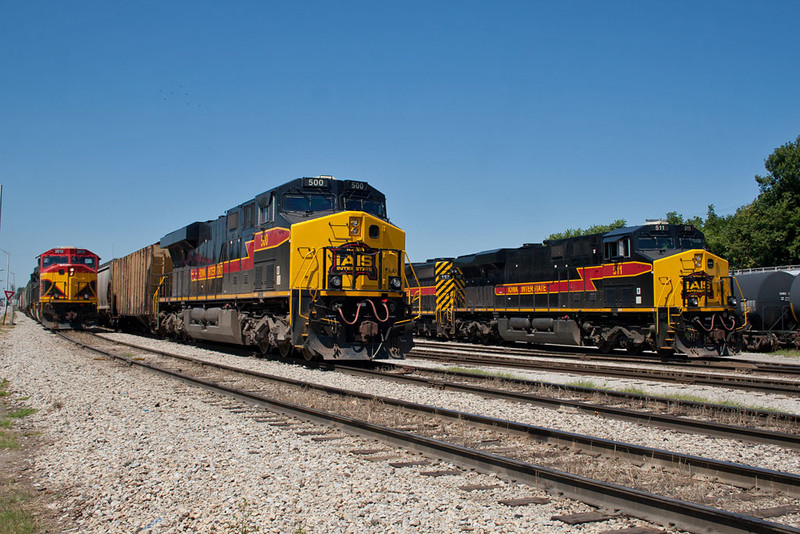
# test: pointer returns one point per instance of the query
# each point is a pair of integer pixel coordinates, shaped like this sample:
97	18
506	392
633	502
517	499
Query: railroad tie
587	517
633	530
442	473
525	501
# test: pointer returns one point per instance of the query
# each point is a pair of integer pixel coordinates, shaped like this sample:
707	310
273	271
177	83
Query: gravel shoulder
124	450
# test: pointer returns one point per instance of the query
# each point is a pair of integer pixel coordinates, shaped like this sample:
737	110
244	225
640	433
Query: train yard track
525	391
739	375
590	354
530	454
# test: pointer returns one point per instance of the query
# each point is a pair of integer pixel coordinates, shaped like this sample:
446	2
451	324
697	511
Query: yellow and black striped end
449	291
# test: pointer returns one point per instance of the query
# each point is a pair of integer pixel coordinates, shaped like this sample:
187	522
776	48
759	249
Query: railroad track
453	353
643	417
738	365
636	502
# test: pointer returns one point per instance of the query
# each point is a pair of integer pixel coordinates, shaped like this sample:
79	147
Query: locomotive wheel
633	348
285	350
605	347
308	355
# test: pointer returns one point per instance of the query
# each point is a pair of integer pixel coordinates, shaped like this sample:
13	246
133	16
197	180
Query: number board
320	183
356	186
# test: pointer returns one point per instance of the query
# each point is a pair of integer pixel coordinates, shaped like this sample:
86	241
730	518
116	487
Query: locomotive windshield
373	207
668	243
54	260
692	242
656	243
84	260
308	202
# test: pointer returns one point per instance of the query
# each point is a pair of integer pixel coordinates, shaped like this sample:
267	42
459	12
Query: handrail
418	296
155	293
743	299
312	254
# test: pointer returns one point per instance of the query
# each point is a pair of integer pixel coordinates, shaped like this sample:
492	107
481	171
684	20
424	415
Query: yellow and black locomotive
312	266
646	287
62	291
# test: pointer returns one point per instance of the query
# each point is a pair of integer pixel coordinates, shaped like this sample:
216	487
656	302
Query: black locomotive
645	287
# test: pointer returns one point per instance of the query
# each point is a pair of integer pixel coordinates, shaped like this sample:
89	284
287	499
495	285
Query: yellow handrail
744	302
664	287
418	296
155	293
311	254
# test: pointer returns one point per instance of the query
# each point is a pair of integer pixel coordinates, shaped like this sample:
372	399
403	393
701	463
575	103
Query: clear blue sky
486	124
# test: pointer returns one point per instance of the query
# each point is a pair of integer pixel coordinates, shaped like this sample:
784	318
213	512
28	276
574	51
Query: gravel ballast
125	450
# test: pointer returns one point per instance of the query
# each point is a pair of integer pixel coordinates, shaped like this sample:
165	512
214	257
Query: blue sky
486	124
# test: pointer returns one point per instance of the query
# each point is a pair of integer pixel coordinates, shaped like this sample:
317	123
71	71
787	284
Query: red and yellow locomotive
62	291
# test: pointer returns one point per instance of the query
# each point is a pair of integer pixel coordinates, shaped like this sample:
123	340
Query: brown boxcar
128	285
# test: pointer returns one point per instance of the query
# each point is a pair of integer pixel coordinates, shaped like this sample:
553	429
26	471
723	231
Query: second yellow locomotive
652	286
312	266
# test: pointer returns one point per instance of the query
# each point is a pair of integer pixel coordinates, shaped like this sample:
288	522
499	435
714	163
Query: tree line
763	233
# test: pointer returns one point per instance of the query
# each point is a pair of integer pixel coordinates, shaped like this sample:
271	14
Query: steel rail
747	412
721	363
645	505
735	474
736	382
672	422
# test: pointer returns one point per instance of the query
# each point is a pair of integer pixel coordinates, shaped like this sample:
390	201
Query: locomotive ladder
672	321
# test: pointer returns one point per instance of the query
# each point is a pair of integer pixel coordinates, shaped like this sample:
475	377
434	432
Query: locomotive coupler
368	330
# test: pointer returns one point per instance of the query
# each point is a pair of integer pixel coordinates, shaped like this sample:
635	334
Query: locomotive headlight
395	283
732	301
693	301
335	281
355	226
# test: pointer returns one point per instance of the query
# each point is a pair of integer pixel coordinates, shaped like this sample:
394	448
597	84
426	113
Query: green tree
772	221
596	229
765	232
673	217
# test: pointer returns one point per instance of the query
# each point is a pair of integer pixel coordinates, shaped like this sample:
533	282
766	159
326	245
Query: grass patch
8	440
678	397
20	413
478	372
588	384
789	353
14	518
16	505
